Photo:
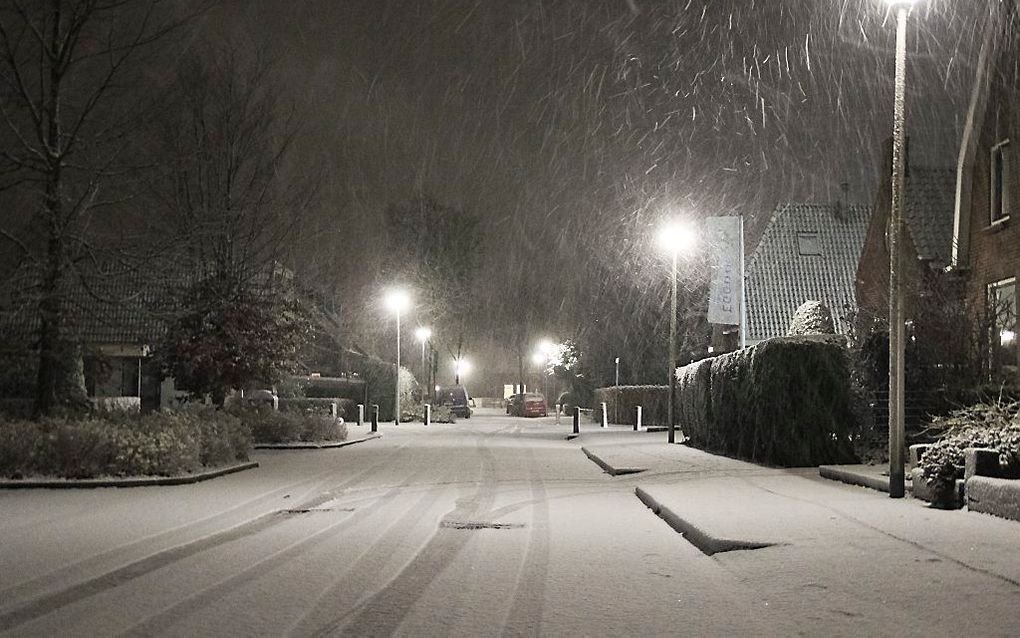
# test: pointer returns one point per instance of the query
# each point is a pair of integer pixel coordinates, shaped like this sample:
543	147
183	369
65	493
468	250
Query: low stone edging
139	481
315	446
998	496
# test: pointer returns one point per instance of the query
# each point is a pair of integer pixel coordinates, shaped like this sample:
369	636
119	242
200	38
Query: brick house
986	236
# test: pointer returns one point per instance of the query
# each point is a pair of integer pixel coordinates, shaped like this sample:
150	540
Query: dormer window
808	244
999	195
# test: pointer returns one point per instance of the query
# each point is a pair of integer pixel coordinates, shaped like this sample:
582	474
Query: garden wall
785	401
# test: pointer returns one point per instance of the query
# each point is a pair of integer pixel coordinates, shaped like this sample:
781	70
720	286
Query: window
999	200
808	244
1002	315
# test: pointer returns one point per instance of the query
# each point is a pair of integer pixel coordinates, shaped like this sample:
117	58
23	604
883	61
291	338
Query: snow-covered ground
498	525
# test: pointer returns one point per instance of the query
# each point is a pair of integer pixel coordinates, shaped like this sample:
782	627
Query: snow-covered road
493	525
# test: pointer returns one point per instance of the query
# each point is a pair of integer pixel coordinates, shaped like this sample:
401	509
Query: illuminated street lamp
897	432
423	334
460	366
674	238
397	302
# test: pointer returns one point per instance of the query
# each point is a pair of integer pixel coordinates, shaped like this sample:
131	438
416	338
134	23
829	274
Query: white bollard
428	414
637	422
605	415
557	414
361	413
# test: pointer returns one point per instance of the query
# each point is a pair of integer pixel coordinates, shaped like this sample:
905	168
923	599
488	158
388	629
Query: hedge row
279	426
785	402
159	444
622	401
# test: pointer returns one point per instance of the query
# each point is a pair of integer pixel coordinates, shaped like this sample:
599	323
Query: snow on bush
785	401
622	401
986	425
277	426
811	318
159	444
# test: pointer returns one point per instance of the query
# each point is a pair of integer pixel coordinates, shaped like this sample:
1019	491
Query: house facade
986	238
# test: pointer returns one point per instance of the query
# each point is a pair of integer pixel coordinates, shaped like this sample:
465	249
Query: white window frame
998	191
989	293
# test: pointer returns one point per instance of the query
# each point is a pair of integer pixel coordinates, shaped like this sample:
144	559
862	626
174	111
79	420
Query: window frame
998	183
996	329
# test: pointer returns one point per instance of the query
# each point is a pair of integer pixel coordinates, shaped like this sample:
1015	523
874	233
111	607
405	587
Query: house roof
930	200
127	307
808	252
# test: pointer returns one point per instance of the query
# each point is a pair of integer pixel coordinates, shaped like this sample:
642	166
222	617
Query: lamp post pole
672	354
396	394
897	428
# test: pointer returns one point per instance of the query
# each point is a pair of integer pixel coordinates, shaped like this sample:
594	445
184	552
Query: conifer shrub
694	402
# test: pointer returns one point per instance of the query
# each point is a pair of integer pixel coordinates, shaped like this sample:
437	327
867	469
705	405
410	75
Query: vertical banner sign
727	289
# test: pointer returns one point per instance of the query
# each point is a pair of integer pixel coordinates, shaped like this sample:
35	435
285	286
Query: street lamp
897	432
460	366
397	302
673	238
423	334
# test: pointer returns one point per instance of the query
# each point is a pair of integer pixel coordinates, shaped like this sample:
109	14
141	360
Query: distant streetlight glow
1006	337
538	358
423	334
461	367
546	347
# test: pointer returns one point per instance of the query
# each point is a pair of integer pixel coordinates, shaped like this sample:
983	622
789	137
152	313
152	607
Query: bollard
558	414
427	415
375	417
637	422
577	420
276	403
361	414
605	416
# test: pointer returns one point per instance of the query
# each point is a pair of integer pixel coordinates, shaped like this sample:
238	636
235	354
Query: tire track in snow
46	603
206	597
56	577
383	612
525	617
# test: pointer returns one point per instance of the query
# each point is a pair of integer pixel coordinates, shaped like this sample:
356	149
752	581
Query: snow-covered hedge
785	401
160	444
622	401
279	426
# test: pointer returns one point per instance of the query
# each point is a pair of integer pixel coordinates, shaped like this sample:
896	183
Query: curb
609	469
315	446
850	477
705	542
145	481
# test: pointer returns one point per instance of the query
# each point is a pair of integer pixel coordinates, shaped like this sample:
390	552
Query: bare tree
67	70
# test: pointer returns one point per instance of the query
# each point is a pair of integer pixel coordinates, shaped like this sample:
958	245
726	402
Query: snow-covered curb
609	469
315	446
139	481
997	496
862	475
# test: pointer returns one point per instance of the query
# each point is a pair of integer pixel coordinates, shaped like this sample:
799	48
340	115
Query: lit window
808	244
999	195
1002	314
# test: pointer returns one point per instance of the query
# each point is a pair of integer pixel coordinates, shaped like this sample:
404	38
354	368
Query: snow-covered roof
808	252
928	212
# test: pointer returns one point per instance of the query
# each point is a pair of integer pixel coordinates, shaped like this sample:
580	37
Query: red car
533	405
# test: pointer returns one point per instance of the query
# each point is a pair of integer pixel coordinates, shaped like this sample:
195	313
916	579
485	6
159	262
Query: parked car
513	404
455	396
533	404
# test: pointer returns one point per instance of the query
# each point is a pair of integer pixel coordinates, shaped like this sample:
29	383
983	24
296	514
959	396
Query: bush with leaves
273	426
159	444
994	425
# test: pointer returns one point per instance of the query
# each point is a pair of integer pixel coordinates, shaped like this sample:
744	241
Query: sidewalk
722	505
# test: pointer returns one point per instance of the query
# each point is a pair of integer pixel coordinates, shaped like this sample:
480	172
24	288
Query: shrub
160	444
785	401
271	426
443	414
993	425
621	402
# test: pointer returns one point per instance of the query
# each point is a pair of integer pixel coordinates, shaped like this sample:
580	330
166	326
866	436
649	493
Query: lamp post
616	385
673	238
460	366
397	301
424	334
897	428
